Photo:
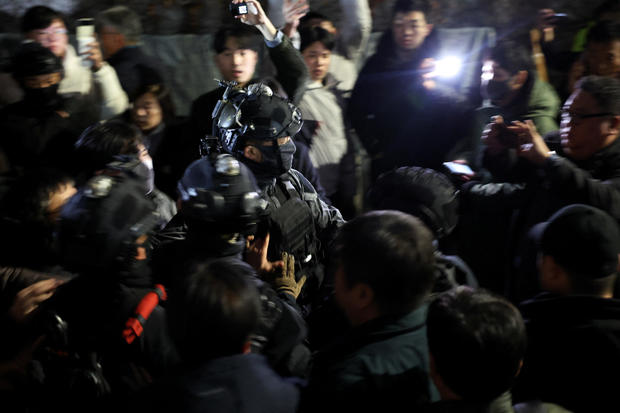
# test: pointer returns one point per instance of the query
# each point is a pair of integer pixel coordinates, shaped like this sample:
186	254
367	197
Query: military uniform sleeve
327	219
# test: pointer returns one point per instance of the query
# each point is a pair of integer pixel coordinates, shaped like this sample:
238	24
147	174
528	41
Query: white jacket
103	84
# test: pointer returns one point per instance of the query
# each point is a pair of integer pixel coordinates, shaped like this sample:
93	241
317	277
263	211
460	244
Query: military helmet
101	223
220	190
422	192
253	113
32	59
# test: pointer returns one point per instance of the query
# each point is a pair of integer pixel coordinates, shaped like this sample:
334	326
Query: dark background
203	16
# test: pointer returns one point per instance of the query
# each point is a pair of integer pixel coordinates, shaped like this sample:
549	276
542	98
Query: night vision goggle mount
254	112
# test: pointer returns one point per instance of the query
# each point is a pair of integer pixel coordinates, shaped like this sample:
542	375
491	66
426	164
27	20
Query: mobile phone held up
85	34
458	168
238	9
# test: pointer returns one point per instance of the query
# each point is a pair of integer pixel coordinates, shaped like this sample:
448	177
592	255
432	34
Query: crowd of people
345	234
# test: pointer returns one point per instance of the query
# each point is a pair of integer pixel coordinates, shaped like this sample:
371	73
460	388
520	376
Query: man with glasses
580	163
86	75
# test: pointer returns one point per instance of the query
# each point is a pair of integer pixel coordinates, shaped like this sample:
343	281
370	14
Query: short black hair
215	310
407	6
39	17
163	96
604	31
393	253
477	340
311	35
101	142
312	15
28	196
511	55
247	38
605	90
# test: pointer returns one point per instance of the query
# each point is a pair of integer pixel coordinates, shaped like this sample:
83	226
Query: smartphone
507	137
238	9
458	168
85	34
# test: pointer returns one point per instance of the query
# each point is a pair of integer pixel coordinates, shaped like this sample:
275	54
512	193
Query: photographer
512	89
582	168
86	74
402	119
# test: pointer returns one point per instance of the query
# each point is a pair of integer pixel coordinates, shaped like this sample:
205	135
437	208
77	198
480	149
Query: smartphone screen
85	34
458	168
85	28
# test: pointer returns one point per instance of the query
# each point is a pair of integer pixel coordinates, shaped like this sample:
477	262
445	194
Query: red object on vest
134	326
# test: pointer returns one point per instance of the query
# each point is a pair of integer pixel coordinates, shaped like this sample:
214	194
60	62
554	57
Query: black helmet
32	59
424	193
253	113
100	224
221	191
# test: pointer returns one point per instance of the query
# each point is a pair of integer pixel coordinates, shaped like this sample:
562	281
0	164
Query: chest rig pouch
291	227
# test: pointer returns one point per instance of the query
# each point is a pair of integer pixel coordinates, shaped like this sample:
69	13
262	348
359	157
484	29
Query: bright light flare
487	71
448	67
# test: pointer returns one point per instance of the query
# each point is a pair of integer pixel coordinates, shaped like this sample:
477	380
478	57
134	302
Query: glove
286	282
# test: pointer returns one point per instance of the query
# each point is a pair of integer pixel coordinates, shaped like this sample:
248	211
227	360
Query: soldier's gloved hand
285	282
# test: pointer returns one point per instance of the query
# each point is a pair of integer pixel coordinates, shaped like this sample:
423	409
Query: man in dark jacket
402	119
119	29
512	89
583	168
573	355
43	126
385	272
212	317
237	49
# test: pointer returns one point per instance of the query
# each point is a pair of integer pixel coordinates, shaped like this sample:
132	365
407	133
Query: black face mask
497	91
277	160
45	99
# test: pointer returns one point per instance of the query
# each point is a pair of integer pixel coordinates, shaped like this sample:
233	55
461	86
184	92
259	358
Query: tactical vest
292	229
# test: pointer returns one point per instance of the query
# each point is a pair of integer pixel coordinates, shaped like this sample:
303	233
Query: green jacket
378	365
537	102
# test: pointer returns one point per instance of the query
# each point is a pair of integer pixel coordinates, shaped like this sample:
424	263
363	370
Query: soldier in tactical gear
256	126
104	237
220	206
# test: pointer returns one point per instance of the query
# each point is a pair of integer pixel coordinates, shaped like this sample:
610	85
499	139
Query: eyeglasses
50	32
576	117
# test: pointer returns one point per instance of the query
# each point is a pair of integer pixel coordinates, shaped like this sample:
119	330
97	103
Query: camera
238	9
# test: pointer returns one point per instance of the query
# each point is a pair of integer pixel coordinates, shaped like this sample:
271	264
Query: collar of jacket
386	327
330	82
603	160
555	307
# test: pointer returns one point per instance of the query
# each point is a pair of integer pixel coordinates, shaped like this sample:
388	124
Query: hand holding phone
458	168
